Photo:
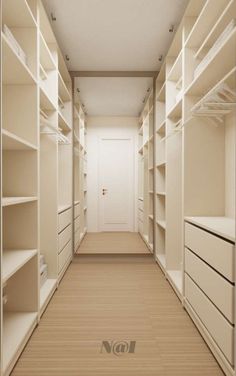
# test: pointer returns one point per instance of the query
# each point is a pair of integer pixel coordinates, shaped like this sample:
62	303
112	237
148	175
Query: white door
116	184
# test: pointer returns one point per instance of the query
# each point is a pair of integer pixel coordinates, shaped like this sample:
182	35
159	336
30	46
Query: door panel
116	186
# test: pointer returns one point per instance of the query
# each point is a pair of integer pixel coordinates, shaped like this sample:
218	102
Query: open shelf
204	22
63	90
63	123
162	224
46	292
46	58
208	76
13	260
161	94
221	226
176	70
17	328
45	101
12	142
161	164
18	14
7	201
161	193
14	70
176	110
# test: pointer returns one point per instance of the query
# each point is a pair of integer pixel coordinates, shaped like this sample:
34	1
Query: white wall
107	127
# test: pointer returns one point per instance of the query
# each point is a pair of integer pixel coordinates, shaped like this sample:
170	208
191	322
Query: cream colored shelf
161	94
176	70
18	14
200	29
208	76
8	201
161	164
12	142
176	110
161	193
162	224
150	217
17	328
221	226
224	18
46	292
14	70
63	90
161	128
46	58
63	123
46	102
13	260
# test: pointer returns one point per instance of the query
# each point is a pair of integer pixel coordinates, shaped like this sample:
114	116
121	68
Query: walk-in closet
118	169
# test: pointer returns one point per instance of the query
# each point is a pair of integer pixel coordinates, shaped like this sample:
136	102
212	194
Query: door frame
133	208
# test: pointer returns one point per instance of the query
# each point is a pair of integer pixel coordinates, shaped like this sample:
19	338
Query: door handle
104	191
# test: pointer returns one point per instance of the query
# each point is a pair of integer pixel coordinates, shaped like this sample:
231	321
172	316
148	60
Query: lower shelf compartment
46	293
17	328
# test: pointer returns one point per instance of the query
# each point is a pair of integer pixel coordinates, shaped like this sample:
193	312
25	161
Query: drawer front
64	219
76	223
64	256
140	205
64	237
219	291
215	251
218	327
76	210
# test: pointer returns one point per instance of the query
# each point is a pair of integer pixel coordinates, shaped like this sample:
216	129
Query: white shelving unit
80	173
146	174
36	178
195	119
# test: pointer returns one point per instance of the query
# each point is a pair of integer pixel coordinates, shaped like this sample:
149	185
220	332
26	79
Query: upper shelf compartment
206	20
14	69
17	14
213	69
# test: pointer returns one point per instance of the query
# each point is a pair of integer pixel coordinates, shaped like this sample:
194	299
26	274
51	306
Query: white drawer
218	289
77	237
64	256
140	205
76	210
76	223
218	327
217	252
63	238
64	219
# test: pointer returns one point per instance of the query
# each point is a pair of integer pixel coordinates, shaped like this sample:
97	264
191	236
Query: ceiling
114	35
113	96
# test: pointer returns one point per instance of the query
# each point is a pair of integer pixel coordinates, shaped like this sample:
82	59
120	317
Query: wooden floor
113	242
119	298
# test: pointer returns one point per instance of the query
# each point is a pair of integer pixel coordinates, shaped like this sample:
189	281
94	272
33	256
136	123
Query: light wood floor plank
115	298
